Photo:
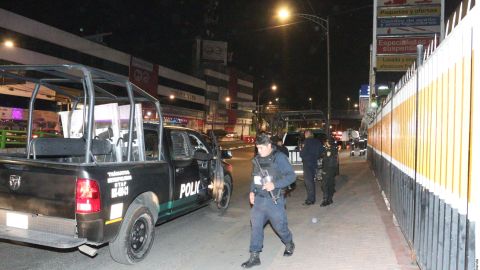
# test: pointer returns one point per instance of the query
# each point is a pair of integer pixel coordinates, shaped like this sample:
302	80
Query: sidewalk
355	232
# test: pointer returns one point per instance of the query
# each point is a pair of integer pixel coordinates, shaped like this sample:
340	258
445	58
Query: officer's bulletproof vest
330	161
267	164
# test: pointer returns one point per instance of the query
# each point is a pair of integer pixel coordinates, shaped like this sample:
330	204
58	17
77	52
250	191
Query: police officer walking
330	163
310	153
271	173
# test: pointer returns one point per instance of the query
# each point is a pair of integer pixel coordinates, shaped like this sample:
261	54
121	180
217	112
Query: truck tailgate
37	189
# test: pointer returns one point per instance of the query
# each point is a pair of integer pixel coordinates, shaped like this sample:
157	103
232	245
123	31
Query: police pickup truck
111	177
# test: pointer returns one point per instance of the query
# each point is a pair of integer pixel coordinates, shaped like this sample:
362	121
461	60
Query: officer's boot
289	248
324	203
253	260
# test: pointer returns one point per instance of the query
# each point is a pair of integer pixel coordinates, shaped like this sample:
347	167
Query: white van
293	140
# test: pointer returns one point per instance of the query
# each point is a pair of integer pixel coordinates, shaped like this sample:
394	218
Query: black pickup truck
111	177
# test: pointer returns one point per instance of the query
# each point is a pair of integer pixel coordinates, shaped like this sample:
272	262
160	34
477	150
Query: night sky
291	56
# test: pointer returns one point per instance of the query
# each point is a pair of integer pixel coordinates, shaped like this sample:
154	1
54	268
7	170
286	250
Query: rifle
265	179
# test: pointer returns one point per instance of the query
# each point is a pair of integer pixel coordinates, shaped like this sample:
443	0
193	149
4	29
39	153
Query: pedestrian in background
310	154
272	172
330	166
279	145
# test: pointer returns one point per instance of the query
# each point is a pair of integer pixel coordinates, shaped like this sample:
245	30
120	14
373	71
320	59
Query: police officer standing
330	163
310	153
279	145
271	173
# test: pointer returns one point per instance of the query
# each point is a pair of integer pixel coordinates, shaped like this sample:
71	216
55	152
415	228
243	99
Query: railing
423	148
18	138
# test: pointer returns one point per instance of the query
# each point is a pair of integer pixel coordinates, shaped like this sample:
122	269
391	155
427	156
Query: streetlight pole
325	25
273	88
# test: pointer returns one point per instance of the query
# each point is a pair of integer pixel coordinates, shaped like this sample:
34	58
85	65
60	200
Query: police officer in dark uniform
310	153
279	145
330	163
272	173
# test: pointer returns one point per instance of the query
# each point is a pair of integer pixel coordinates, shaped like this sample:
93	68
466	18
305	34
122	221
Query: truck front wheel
224	202
135	237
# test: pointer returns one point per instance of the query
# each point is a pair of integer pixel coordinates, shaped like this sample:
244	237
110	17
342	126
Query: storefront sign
395	63
390	3
404	45
404	31
408	21
214	51
144	75
434	10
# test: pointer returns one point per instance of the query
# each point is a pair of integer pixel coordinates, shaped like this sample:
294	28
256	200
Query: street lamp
273	88
355	106
284	14
261	91
348	103
310	100
8	43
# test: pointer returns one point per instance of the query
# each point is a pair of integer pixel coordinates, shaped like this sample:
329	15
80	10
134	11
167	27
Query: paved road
356	232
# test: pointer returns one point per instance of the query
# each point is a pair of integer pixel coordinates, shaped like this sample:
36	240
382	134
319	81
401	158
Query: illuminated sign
394	62
434	10
390	3
404	45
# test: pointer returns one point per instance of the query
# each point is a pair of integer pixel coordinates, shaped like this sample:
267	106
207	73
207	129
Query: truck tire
136	235
223	204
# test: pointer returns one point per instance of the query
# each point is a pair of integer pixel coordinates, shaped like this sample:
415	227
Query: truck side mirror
226	154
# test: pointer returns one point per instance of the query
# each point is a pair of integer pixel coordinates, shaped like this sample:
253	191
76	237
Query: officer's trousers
329	183
264	210
309	173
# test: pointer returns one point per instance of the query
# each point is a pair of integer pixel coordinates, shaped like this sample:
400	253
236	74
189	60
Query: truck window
181	149
197	144
151	144
291	139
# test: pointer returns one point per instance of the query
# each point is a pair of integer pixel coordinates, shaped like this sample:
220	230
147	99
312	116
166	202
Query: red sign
401	45
144	75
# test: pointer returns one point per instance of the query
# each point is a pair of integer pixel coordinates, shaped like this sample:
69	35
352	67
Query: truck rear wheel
135	238
224	202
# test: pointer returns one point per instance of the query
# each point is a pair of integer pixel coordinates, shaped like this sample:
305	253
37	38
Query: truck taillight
229	168
87	196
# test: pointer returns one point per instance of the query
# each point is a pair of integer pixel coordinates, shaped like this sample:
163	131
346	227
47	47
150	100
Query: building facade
194	98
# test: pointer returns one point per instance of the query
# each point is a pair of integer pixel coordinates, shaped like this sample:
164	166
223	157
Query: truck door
187	176
205	166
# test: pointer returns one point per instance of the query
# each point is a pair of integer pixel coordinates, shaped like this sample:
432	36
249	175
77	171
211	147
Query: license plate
17	220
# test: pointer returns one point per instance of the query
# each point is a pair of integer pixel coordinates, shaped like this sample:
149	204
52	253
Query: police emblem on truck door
14	182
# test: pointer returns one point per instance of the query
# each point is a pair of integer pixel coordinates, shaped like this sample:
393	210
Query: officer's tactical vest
267	164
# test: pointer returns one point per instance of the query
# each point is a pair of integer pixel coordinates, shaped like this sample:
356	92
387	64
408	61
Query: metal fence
424	147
